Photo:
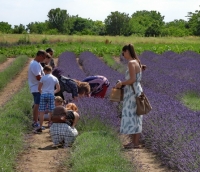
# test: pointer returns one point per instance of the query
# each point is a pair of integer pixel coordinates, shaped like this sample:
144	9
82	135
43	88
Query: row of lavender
88	107
169	129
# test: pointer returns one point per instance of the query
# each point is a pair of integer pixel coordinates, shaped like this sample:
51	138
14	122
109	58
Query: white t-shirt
49	81
34	69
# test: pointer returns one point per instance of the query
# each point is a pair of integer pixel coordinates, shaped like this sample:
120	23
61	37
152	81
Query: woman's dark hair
57	72
48	50
83	87
132	52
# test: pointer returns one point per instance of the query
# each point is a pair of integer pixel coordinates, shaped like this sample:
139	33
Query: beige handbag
116	94
143	105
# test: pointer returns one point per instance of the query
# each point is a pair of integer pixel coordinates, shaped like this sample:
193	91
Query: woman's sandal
131	146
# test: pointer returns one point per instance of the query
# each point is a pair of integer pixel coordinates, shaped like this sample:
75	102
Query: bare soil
40	156
145	160
5	64
16	84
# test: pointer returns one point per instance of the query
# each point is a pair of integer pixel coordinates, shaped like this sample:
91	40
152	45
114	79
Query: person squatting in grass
131	123
58	101
98	85
63	131
75	87
35	72
46	87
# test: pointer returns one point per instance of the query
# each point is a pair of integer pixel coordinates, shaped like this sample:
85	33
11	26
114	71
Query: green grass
2	58
97	149
15	121
13	38
11	71
98	48
191	100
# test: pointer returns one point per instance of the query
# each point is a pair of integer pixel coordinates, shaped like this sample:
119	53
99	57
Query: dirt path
144	158
5	64
39	155
16	84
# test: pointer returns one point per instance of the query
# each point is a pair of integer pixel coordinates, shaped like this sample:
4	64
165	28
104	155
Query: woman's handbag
116	94
143	105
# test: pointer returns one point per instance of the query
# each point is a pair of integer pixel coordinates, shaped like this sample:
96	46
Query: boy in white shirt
46	88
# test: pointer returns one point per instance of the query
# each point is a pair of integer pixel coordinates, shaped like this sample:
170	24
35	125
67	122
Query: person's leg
42	108
41	119
36	97
136	138
51	104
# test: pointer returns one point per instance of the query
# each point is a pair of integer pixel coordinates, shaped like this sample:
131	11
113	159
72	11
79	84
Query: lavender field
170	130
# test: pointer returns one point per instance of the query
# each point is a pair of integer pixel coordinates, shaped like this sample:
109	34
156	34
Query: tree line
141	23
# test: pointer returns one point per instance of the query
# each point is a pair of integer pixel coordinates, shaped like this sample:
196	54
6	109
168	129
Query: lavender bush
170	129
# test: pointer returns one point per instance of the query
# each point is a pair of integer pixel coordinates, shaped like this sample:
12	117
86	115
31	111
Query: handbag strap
132	88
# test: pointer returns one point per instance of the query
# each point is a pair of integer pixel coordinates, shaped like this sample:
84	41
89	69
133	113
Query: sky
17	12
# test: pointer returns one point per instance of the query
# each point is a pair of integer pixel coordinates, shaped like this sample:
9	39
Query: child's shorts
46	99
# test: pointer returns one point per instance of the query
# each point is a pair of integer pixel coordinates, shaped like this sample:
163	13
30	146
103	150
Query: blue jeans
36	97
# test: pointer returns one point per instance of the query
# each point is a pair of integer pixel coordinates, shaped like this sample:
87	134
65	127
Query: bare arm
132	73
40	87
38	77
57	88
76	118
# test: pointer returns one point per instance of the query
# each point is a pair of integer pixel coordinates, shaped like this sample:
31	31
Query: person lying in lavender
98	85
75	87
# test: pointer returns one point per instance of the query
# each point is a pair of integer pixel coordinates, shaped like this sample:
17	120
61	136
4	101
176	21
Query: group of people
47	85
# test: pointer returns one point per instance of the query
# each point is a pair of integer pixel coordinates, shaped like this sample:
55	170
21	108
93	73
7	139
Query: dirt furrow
39	155
5	64
14	86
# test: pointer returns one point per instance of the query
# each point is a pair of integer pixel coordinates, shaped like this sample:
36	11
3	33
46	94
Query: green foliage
10	72
19	29
51	32
191	100
117	24
3	58
96	149
24	39
37	27
146	23
60	20
5	27
194	22
15	121
176	28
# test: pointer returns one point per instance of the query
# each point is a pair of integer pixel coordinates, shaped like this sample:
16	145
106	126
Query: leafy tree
98	28
82	26
194	22
175	28
5	27
146	23
60	20
37	27
117	24
19	29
